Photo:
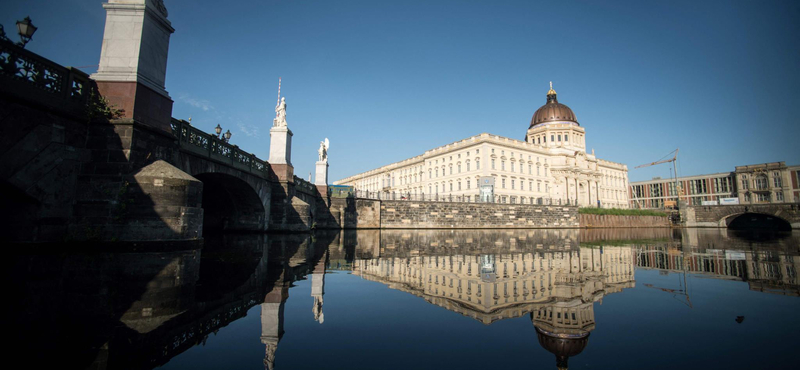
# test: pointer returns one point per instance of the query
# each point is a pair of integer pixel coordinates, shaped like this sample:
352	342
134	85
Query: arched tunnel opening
759	222
230	204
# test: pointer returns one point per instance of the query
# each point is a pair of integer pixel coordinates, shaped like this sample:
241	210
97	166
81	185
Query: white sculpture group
280	114
323	150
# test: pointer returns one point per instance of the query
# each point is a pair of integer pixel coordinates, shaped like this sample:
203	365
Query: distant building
549	166
773	182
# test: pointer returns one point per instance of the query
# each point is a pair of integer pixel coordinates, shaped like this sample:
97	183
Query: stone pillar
133	61
321	178
280	152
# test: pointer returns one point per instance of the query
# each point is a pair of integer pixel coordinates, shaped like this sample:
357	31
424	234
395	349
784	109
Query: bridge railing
307	186
33	77
207	145
449	198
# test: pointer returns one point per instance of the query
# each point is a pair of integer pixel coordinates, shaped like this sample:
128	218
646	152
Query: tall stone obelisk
133	61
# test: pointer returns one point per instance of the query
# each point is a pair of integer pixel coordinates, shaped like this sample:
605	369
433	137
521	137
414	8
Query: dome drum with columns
550	166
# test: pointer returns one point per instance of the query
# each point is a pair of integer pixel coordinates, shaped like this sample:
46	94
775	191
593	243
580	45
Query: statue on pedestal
323	150
280	114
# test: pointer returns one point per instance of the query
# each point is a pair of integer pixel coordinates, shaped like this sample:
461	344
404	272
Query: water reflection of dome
562	345
563	328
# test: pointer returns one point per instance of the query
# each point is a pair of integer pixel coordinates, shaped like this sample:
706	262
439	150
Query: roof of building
552	111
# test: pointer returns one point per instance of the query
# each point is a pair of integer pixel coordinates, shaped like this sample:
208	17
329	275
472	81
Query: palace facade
550	166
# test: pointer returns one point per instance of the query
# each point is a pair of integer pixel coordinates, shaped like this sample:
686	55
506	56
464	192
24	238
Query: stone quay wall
434	215
601	221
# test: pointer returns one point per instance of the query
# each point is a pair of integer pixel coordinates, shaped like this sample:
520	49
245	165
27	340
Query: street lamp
26	29
224	137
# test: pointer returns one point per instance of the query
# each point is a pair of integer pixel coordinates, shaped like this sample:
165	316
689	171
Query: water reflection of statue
280	114
318	288
272	322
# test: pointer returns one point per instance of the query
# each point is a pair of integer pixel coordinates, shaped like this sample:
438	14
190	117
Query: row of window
764	197
698	186
521	168
434	188
761	182
555	137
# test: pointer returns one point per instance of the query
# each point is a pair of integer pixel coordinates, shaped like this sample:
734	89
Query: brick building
773	182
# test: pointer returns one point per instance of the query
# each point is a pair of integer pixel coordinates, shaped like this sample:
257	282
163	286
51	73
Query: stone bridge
764	216
74	169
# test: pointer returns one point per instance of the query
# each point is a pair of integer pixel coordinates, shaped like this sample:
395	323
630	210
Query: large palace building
550	166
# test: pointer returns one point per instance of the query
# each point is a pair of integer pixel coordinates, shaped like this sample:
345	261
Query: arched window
761	182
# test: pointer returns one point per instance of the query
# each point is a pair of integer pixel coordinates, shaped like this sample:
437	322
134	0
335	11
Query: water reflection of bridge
139	310
766	265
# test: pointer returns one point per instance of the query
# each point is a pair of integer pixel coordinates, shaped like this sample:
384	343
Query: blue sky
387	80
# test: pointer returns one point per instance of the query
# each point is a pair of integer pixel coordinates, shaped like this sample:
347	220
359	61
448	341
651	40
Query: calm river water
403	299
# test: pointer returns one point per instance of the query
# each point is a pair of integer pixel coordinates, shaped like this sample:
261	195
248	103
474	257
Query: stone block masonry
439	215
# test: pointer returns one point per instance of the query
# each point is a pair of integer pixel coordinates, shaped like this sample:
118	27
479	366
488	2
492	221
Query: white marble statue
280	114
323	150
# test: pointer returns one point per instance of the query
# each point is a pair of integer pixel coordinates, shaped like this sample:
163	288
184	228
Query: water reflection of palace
490	276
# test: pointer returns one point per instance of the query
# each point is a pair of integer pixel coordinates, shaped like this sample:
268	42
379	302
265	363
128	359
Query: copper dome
552	111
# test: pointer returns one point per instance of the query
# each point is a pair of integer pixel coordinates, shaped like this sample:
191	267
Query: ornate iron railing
208	145
32	76
301	184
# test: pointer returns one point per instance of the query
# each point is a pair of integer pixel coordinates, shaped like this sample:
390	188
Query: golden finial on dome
551	92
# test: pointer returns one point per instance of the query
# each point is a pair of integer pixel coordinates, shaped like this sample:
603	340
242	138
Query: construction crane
674	160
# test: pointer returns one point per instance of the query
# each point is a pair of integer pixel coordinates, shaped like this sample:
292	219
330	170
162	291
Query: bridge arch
19	212
755	221
231	203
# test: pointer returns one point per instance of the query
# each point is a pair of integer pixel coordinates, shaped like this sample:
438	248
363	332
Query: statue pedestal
321	180
280	152
280	145
322	174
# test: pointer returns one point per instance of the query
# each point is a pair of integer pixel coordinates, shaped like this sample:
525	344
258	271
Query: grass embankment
620	212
